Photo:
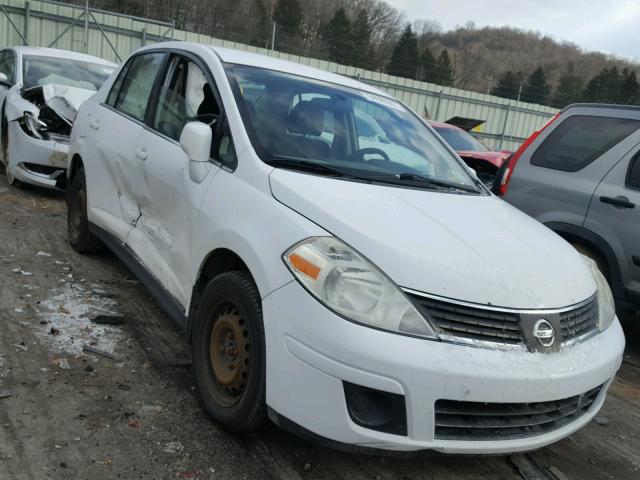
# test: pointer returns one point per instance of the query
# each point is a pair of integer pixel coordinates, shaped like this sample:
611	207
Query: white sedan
370	293
41	90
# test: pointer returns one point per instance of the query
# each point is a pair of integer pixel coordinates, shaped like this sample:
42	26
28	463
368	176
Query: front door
167	193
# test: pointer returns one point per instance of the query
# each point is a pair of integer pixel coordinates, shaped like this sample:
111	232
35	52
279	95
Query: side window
225	151
131	91
185	96
633	179
8	65
580	139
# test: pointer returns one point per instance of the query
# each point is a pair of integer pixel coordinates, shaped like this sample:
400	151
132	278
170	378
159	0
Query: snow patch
69	324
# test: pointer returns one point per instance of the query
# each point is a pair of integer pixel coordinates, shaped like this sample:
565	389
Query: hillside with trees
372	34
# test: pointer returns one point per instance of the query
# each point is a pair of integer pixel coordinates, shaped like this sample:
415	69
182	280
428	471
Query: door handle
141	153
618	202
95	124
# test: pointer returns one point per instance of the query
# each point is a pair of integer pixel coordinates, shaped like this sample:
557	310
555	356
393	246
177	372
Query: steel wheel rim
229	354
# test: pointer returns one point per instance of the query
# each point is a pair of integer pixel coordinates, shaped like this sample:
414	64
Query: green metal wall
113	36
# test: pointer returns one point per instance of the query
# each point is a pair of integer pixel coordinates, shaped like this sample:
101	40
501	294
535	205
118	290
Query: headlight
606	304
33	126
349	285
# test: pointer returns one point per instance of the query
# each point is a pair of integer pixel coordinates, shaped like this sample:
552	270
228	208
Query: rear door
614	215
557	175
112	135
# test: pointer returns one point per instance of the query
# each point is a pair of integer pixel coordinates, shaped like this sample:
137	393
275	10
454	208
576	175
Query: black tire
80	238
231	303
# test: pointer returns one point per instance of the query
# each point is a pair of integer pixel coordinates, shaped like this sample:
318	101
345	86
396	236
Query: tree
361	32
536	89
261	31
427	68
568	89
444	69
403	61
604	87
629	88
288	18
337	34
508	85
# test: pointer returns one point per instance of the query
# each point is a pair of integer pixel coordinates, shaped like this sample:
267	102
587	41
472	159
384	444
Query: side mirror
4	79
196	141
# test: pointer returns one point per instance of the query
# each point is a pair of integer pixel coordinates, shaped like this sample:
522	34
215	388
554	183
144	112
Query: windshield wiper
437	183
305	166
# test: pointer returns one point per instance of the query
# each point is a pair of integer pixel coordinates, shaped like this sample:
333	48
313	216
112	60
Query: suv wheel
80	238
229	352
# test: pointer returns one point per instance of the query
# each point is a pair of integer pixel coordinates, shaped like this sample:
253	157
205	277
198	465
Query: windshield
294	120
460	140
39	70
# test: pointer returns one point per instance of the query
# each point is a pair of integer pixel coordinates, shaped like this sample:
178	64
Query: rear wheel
80	238
229	352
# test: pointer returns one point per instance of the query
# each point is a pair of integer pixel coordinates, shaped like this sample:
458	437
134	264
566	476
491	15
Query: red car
485	162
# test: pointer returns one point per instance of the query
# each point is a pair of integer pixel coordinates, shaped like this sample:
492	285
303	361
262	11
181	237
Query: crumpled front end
39	126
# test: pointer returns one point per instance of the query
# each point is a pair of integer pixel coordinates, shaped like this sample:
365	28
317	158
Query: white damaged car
41	90
359	286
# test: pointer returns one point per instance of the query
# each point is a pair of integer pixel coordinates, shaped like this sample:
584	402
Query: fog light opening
375	409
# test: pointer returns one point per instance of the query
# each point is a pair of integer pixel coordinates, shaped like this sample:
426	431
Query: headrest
307	118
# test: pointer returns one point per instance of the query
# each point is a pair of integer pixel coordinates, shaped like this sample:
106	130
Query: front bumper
27	156
311	352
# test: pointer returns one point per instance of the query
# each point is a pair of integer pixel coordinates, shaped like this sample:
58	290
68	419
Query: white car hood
473	248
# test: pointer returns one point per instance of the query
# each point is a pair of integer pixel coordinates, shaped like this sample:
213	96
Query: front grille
458	420
579	321
472	323
469	324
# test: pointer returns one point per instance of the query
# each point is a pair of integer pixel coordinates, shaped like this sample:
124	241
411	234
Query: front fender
251	223
16	106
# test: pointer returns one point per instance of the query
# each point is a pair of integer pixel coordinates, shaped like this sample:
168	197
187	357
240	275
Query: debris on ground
5	394
20	346
97	351
108	320
173	447
601	420
43	254
69	314
63	363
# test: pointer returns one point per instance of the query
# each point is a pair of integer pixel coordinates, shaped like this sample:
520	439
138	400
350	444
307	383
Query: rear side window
131	90
633	180
580	139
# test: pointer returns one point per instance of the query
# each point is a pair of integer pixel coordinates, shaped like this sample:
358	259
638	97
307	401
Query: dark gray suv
580	176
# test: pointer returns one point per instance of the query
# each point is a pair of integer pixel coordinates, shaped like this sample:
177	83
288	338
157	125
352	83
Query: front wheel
229	352
80	238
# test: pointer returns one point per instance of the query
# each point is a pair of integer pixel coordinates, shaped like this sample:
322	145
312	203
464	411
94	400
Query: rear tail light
505	178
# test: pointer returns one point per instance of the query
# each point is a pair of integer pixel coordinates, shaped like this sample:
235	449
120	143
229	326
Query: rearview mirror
3	78
196	141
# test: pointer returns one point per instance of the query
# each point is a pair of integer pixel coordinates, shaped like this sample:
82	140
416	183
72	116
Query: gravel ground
69	414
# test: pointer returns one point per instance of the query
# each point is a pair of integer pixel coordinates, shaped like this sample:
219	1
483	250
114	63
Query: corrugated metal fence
114	36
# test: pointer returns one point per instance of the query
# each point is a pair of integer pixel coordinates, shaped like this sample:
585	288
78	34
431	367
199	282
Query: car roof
241	57
59	53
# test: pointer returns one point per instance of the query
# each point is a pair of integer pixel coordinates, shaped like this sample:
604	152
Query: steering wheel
359	154
208	118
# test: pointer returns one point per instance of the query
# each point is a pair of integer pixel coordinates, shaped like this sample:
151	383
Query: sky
611	26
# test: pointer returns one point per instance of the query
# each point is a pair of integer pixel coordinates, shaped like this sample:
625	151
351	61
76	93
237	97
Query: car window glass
633	180
41	70
460	140
225	150
580	139
185	96
8	65
137	82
